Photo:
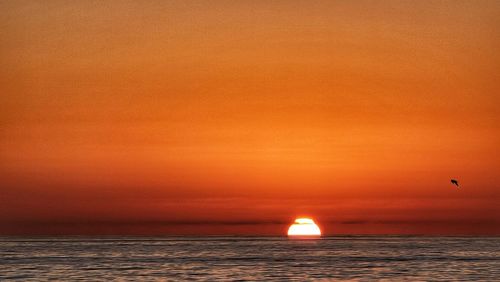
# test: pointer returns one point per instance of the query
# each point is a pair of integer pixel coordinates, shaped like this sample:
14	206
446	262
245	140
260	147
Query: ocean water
351	258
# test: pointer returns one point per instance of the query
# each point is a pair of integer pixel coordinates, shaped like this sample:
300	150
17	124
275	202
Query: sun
304	227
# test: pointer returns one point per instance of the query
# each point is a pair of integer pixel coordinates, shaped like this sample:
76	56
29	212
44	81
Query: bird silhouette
455	182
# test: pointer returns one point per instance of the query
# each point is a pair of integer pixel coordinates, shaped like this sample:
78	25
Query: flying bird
455	182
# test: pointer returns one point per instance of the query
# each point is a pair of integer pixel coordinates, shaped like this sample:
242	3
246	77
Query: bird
455	182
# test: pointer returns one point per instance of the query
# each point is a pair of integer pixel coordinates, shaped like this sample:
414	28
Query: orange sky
233	117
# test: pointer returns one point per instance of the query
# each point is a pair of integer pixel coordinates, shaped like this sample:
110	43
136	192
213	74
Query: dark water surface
355	258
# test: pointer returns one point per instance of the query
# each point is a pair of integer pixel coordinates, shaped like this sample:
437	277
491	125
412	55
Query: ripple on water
250	258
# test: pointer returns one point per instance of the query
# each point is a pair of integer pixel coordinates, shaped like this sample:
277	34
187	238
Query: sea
337	258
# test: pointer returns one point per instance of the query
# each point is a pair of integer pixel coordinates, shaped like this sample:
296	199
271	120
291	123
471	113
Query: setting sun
304	227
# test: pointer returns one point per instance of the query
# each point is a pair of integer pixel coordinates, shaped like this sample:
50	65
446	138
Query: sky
234	117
